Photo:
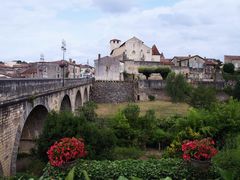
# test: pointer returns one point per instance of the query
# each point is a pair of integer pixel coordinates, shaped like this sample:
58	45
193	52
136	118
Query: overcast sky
210	28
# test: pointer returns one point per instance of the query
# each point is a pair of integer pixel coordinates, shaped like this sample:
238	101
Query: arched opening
31	130
1	170
78	100
66	104
85	96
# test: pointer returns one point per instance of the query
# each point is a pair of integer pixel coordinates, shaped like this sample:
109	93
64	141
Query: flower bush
65	150
199	149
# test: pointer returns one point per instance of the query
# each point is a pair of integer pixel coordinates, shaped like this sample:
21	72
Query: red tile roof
31	70
155	50
166	62
231	58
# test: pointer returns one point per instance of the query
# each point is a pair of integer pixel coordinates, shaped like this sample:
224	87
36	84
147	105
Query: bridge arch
1	170
28	133
78	100
85	95
66	104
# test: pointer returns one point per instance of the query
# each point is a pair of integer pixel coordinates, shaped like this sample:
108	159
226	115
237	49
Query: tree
228	68
236	91
177	87
164	71
146	71
202	97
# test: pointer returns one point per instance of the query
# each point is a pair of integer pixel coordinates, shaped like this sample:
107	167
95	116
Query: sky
28	28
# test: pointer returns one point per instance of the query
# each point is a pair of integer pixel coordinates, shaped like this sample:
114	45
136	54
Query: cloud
28	28
114	6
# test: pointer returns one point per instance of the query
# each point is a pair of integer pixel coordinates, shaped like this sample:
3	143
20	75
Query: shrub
236	91
151	98
228	68
131	112
65	150
148	170
177	87
202	97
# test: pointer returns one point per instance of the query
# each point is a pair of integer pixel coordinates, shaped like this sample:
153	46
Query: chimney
189	55
99	56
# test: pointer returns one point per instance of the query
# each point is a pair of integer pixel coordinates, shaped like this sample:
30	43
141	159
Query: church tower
114	43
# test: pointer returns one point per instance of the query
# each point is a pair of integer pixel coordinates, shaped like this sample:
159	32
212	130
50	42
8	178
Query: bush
146	71
177	87
120	153
202	97
236	91
148	170
228	68
151	98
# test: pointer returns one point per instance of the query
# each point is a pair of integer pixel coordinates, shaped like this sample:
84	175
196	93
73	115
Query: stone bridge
24	105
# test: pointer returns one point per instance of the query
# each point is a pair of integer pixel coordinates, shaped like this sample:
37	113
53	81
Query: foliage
236	90
146	71
88	111
164	71
65	150
228	68
99	139
120	153
228	160
199	149
151	98
131	112
177	87
150	169
202	97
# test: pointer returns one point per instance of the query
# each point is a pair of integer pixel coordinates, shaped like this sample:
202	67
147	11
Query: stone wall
113	91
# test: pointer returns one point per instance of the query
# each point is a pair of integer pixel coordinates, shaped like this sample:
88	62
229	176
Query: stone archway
1	170
25	139
66	104
85	95
78	100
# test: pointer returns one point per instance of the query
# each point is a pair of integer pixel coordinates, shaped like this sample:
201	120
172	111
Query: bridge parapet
16	88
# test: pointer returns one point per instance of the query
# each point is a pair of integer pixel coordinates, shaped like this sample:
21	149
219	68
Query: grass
162	108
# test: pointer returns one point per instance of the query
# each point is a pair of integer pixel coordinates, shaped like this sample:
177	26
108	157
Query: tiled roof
155	50
166	62
31	70
232	58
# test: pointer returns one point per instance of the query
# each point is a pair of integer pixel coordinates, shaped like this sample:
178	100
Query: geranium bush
65	150
199	149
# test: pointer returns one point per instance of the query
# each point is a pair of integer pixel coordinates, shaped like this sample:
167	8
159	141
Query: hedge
149	169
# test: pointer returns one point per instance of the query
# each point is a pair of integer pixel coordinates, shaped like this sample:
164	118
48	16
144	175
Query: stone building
108	68
134	49
234	60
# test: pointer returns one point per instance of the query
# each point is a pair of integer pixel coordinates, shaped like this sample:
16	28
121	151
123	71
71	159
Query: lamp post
63	64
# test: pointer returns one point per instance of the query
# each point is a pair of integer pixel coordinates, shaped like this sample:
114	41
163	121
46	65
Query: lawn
162	108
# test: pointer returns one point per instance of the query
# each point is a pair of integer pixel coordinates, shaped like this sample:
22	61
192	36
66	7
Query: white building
134	49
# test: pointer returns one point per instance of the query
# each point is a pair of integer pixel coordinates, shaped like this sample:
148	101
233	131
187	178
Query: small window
133	52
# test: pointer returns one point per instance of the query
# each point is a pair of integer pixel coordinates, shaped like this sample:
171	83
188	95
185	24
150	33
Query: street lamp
62	66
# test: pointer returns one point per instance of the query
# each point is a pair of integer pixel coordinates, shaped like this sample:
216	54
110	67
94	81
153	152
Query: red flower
65	150
199	149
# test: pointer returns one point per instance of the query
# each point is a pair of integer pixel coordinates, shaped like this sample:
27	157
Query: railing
15	88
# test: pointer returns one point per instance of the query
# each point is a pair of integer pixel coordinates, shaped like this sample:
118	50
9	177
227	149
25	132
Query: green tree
146	71
228	68
177	87
202	97
236	91
164	71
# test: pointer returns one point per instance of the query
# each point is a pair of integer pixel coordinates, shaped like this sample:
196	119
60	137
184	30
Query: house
108	68
87	71
134	49
234	60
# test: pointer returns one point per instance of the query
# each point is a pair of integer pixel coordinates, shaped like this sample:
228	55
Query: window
133	52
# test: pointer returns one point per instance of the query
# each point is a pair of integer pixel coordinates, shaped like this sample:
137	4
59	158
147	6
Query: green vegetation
236	90
228	68
150	169
161	108
177	87
147	71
